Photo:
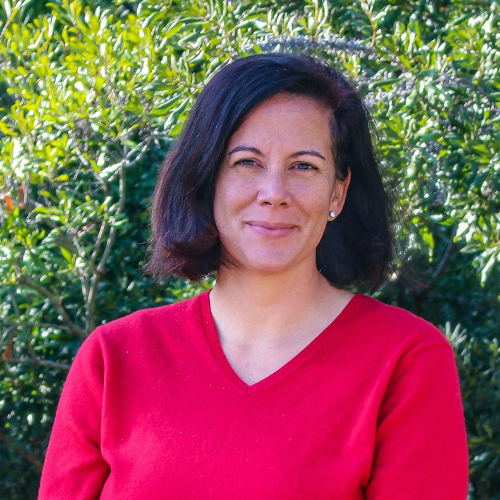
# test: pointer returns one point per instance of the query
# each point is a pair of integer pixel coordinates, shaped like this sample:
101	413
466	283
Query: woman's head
356	248
276	188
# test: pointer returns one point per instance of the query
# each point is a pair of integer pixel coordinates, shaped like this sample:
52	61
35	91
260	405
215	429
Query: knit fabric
151	409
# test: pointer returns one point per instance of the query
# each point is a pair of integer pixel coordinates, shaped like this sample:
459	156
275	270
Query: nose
274	189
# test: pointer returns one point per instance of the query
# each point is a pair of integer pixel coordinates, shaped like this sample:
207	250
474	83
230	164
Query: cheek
226	204
315	200
232	193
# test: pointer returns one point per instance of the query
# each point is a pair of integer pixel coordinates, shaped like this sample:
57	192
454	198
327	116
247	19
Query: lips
273	229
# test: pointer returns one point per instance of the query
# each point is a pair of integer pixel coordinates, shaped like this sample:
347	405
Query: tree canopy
93	94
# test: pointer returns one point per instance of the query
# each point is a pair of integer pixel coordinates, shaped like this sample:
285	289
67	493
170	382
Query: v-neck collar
229	374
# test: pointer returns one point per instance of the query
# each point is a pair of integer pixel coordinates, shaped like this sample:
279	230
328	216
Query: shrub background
93	93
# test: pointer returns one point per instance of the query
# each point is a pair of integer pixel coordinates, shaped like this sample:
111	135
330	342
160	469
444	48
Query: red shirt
151	409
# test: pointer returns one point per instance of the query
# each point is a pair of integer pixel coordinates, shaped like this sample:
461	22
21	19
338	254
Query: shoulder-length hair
356	248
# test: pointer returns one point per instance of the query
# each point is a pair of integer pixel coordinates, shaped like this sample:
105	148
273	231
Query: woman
280	383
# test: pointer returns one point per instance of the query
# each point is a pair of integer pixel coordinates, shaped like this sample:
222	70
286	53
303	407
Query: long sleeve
421	444
74	467
370	410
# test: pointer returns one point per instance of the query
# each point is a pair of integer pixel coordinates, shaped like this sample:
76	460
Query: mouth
273	229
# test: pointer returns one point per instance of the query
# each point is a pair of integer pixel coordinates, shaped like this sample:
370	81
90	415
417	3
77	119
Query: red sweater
151	409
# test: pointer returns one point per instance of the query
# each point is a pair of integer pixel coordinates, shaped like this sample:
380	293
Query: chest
254	364
196	435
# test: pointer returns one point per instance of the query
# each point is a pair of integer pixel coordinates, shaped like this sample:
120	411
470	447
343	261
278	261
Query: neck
249	307
261	290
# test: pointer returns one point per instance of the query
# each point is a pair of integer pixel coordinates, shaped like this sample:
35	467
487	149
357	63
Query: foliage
93	93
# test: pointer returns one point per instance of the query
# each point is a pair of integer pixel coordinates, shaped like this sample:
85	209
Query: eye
246	162
305	166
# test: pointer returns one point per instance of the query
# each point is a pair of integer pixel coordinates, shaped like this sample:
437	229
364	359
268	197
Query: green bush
92	96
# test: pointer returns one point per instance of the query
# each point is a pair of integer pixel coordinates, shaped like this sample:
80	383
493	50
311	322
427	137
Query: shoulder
389	325
148	326
384	342
160	317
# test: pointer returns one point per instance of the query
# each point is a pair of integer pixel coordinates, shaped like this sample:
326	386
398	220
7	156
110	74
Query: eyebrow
310	152
246	148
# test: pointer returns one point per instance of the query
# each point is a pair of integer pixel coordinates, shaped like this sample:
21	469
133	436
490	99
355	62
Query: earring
332	214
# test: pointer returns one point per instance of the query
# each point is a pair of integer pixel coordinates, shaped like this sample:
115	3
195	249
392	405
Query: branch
7	354
91	297
5	335
36	361
143	151
446	255
56	303
42	325
14	303
84	160
105	256
61	239
21	451
100	236
13	12
12	326
373	26
90	267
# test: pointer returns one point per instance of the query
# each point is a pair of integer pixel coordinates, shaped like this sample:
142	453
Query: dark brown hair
356	248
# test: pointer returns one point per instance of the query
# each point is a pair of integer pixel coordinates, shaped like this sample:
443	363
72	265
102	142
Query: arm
74	467
421	442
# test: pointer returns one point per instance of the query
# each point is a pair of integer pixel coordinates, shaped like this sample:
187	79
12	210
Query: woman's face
277	185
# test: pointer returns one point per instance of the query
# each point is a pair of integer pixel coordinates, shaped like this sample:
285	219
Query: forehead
286	118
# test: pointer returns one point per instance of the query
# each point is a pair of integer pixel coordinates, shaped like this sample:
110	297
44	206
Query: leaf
66	254
7	354
5	129
9	202
62	178
108	171
488	267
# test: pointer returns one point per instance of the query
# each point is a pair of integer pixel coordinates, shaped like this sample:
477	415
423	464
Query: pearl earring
332	214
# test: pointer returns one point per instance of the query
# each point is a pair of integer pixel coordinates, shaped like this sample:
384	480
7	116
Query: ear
339	194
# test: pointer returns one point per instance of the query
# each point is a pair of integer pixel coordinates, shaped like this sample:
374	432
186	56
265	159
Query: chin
273	263
268	260
269	269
